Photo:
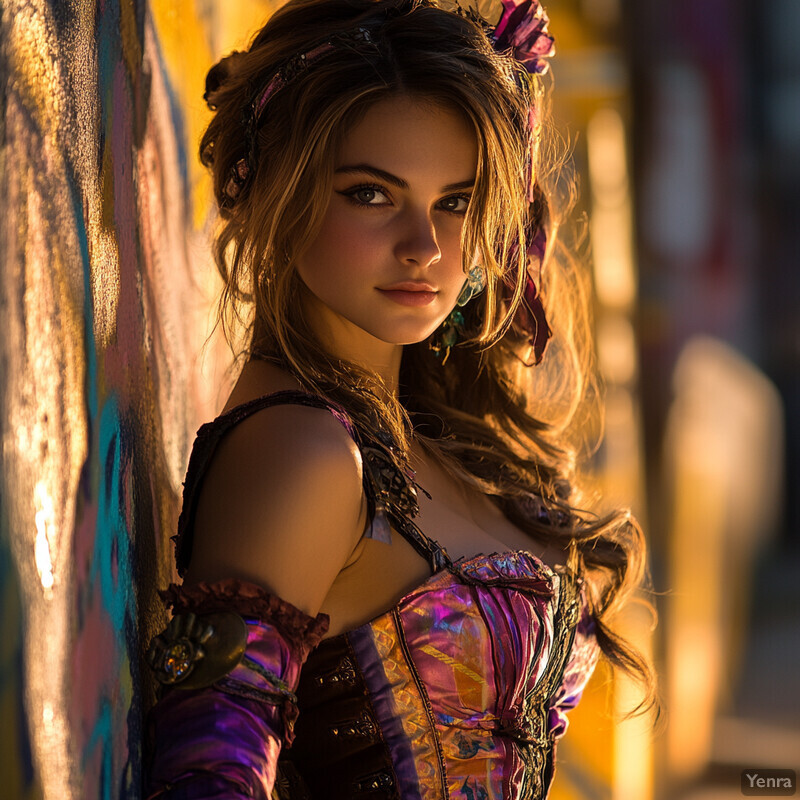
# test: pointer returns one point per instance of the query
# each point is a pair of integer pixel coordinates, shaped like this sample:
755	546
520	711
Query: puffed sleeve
229	663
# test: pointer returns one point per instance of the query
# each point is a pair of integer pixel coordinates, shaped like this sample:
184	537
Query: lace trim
303	632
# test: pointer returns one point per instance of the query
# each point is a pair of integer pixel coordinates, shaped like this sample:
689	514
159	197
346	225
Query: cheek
323	266
450	244
342	248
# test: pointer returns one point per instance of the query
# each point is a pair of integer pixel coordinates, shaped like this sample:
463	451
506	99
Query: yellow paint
36	68
184	41
191	44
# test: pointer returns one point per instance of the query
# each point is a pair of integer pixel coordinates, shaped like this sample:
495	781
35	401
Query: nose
417	244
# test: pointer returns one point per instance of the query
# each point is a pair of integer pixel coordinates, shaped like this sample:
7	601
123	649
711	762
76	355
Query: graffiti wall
107	298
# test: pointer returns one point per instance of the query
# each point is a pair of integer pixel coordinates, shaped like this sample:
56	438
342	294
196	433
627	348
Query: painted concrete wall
106	301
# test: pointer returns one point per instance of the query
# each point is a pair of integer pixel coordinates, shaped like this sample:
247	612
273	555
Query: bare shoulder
281	505
258	378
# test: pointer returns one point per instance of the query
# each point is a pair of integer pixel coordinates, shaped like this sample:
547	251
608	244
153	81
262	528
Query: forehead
413	137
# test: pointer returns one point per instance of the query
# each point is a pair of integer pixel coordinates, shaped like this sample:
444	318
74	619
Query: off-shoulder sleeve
229	663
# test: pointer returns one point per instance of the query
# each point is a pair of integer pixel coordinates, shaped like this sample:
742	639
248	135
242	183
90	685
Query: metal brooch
195	651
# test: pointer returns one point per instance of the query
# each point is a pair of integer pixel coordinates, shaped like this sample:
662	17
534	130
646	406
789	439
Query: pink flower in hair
523	30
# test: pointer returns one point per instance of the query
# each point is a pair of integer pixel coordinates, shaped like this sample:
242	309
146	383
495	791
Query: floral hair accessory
523	30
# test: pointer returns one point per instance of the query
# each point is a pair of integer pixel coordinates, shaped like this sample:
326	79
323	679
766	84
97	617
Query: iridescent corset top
459	691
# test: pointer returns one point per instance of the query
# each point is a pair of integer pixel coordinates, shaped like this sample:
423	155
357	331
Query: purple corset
459	691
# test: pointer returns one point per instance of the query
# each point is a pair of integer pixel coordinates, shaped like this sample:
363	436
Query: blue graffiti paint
101	736
112	537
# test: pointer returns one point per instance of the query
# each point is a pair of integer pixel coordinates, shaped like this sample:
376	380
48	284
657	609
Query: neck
346	341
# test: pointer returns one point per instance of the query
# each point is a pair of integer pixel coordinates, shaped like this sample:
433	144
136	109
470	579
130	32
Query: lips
409	286
409	297
410	293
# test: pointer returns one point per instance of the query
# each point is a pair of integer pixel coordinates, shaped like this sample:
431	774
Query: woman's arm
280	511
281	505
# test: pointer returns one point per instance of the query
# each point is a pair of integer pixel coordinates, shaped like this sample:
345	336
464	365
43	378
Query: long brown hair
477	413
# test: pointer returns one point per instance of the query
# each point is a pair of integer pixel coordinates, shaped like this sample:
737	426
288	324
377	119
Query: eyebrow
381	174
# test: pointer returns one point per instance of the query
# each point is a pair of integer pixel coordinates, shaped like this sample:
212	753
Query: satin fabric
469	678
223	740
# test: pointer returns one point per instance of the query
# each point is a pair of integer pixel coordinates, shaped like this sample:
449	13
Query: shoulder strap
376	488
209	436
229	419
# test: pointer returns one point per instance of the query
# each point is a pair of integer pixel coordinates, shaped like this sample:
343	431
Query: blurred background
685	118
684	124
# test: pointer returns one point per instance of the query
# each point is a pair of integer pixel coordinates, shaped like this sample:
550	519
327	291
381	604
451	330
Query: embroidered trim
383	780
344	673
423	693
540	753
364	727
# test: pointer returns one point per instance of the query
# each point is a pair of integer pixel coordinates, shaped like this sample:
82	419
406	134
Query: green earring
474	285
447	335
452	328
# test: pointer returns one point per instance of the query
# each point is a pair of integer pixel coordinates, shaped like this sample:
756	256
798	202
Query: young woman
388	591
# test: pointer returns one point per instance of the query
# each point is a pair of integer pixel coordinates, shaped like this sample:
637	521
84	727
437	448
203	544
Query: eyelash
350	194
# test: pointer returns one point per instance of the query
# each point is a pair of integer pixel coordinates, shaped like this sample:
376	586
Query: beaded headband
254	110
521	33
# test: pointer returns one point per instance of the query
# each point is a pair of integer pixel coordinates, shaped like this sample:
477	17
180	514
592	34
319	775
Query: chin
406	336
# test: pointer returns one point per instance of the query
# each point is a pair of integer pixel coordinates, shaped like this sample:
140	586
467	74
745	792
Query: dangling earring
475	283
447	335
452	328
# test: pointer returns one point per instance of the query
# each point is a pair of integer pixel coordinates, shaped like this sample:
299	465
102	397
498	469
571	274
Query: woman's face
386	265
